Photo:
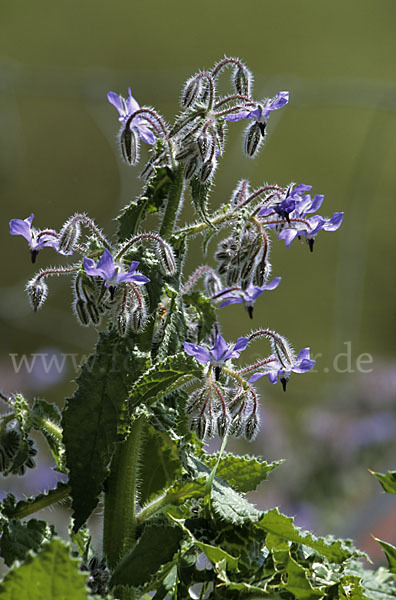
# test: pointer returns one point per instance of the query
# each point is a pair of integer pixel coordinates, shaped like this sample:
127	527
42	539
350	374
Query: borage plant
176	523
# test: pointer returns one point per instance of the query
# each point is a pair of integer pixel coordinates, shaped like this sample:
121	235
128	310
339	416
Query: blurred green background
59	155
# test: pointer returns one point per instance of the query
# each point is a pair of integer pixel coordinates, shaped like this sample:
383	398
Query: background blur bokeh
58	155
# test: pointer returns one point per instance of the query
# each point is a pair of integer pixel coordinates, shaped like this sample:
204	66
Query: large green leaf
52	574
280	525
387	480
390	553
163	378
243	473
18	538
155	547
92	416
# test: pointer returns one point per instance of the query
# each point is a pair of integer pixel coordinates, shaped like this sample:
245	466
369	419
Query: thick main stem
119	530
173	204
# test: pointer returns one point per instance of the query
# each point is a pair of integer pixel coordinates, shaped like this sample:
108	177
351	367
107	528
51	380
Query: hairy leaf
52	574
18	538
159	465
243	473
200	197
335	551
47	419
92	417
155	547
163	378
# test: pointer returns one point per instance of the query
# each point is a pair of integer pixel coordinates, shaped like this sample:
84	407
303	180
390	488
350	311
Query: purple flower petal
201	354
22	227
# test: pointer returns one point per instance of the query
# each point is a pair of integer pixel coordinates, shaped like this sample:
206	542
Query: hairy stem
119	530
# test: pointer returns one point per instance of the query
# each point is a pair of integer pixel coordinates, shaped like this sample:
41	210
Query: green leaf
18	538
165	377
390	553
215	554
243	473
155	547
47	419
280	525
226	503
150	201
298	582
92	417
160	465
52	574
387	480
205	311
19	510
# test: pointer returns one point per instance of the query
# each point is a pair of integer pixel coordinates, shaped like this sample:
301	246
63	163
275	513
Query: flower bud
10	442
122	322
223	424
192	91
129	143
81	312
253	139
242	80
37	292
212	284
138	318
186	151
240	193
92	312
207	170
191	165
252	424
68	236
166	258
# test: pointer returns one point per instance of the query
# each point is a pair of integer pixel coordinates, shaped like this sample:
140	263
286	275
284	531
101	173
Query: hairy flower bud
191	166
166	258
240	193
68	236
129	143
252	424
191	92
93	312
80	309
186	151
253	139
208	170
212	284
138	318
223	424
242	80
37	291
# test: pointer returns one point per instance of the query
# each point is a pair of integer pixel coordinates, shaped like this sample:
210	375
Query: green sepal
156	546
387	480
52	574
163	378
18	538
149	202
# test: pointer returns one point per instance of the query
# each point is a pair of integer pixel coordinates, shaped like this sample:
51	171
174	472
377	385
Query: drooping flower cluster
107	281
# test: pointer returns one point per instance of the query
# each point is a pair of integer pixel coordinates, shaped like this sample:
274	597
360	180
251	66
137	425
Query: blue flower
249	296
276	369
112	272
217	355
37	239
261	113
126	107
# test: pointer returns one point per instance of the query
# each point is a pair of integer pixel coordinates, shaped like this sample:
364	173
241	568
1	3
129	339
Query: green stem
173	204
27	508
119	530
